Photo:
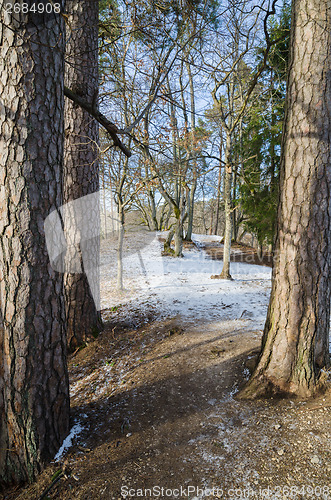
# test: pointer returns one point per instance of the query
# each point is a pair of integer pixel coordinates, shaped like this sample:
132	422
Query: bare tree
243	28
122	187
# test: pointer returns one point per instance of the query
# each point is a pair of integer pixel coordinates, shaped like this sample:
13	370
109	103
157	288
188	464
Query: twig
75	352
52	485
318	407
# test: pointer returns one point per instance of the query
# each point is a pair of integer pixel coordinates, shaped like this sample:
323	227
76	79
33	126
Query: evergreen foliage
262	135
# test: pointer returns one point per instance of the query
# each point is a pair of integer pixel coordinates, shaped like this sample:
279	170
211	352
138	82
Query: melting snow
67	443
184	287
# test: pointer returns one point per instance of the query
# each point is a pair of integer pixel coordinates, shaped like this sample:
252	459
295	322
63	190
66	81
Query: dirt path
239	253
157	408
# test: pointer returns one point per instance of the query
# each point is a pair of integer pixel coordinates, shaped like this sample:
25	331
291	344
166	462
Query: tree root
261	387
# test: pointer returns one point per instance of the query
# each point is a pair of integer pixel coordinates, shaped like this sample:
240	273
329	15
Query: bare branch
111	128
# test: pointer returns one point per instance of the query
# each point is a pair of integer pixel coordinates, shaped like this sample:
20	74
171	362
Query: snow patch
184	288
67	443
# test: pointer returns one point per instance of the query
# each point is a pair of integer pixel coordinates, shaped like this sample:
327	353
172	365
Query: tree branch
263	65
100	118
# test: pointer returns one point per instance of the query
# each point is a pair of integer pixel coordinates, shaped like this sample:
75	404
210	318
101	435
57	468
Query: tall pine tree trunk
34	391
295	341
81	168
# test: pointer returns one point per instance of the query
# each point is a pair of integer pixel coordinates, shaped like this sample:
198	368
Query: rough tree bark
295	341
34	391
81	168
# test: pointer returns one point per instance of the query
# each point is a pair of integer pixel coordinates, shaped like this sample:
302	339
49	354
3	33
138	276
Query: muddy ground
157	407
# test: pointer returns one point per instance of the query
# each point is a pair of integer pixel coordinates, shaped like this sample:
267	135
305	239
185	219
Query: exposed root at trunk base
74	343
167	251
222	276
260	387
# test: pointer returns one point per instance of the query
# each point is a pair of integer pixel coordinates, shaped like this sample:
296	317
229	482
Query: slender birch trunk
225	274
120	247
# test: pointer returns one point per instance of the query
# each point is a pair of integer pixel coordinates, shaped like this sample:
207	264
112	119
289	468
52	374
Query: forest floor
153	398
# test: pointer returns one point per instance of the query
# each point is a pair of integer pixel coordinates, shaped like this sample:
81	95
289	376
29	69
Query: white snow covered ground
183	287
